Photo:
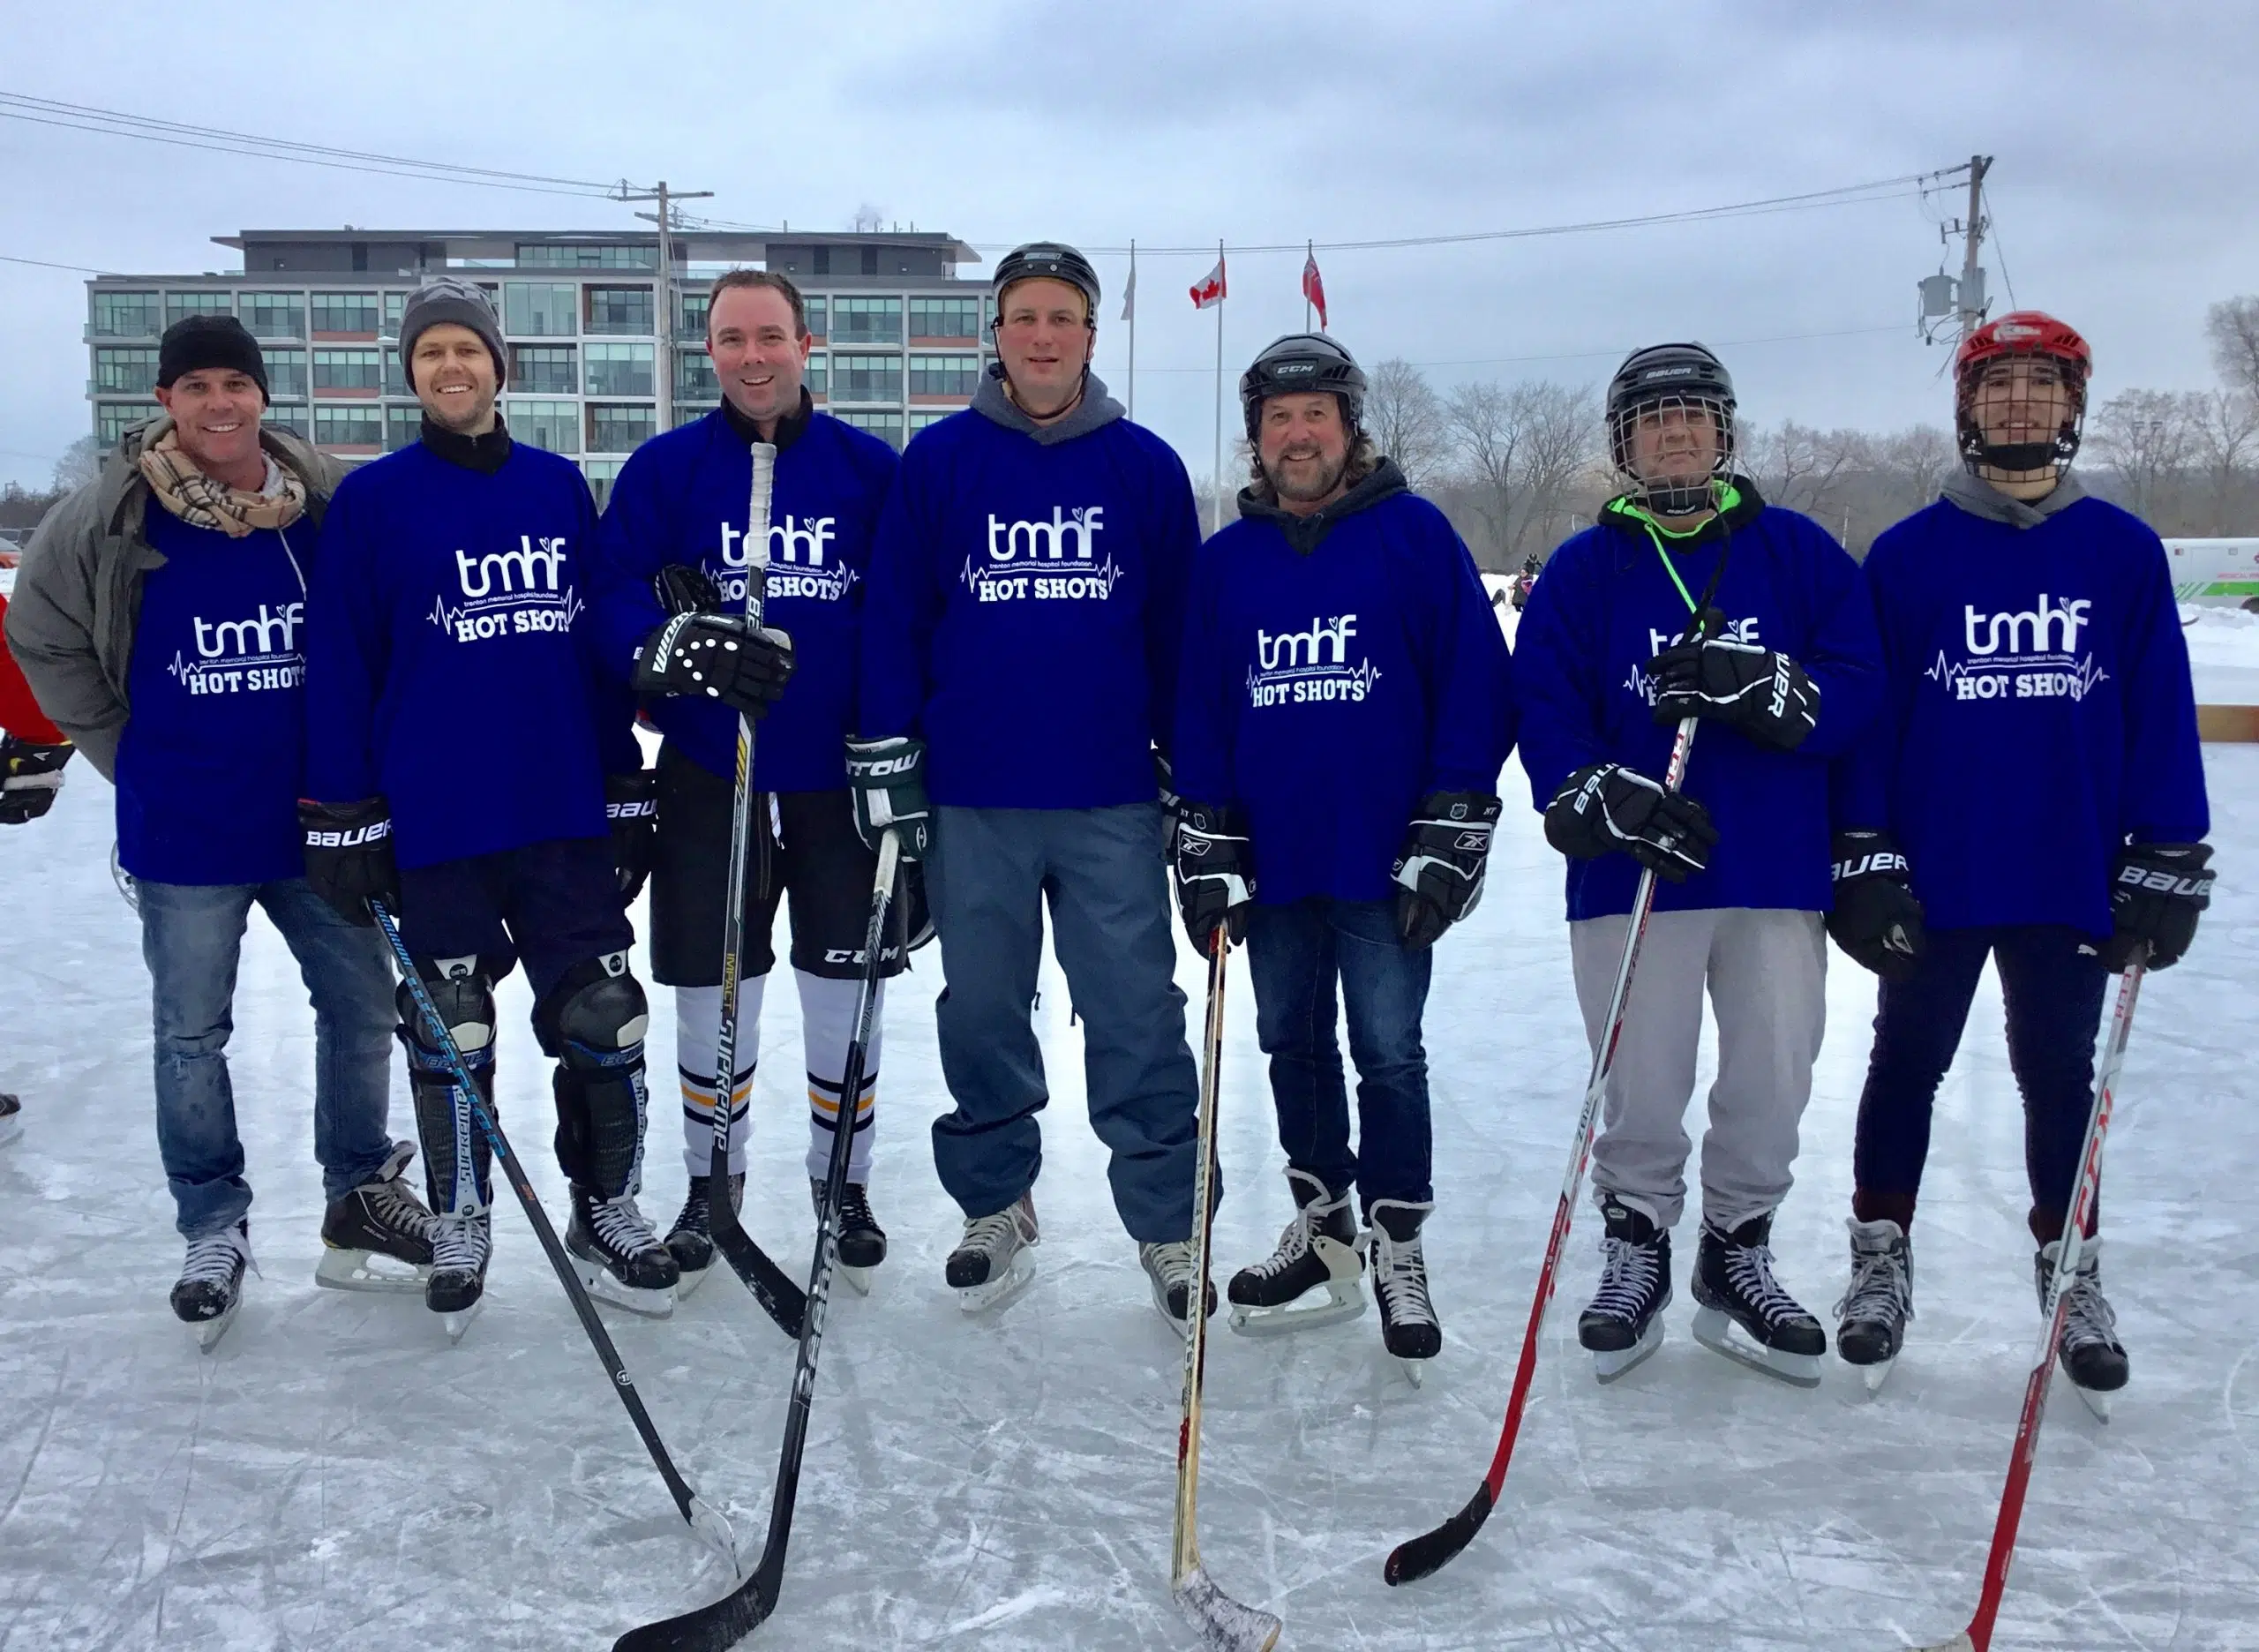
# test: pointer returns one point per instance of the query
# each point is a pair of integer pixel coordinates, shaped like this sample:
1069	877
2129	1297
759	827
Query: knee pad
593	1021
463	994
596	1014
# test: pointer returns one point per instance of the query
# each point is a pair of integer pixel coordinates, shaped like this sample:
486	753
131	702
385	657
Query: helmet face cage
2005	393
1677	424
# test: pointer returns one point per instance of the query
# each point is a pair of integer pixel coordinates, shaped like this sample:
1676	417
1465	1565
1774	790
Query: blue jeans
191	939
1296	954
987	878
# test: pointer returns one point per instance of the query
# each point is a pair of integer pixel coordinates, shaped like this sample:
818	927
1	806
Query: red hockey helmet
2026	335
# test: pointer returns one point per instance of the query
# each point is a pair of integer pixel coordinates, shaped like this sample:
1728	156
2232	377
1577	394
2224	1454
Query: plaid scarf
202	502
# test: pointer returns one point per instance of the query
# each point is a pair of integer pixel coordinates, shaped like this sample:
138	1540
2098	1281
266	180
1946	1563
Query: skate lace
1628	1274
212	1258
855	1209
1749	1268
697	1211
1402	1280
1878	1288
620	1226
394	1206
1172	1261
994	1234
2090	1321
1294	1246
459	1243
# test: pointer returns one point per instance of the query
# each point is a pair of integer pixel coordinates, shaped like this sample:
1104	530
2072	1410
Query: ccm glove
1609	809
2155	896
1876	919
349	856
1440	870
1766	696
887	780
1215	871
30	776
631	803
716	657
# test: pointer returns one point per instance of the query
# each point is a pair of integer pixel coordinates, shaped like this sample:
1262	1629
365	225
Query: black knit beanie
196	343
447	298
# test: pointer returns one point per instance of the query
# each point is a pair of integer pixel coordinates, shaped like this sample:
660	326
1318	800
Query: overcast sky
2123	192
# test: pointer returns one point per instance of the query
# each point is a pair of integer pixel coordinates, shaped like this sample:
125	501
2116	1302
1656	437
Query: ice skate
1744	1314
1623	1324
2089	1352
862	1241
211	1285
1169	1270
1871	1319
462	1246
618	1258
1318	1249
12	1119
378	1237
1408	1327
991	1266
690	1241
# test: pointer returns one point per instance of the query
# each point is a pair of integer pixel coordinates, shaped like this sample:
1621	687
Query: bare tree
1799	467
2232	327
1562	446
1404	417
81	462
1486	433
2224	432
2144	436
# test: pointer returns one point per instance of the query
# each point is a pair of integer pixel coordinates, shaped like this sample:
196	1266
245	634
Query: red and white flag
1211	287
1314	288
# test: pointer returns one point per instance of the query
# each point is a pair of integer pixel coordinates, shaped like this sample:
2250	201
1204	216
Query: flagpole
1219	393
1133	326
1309	257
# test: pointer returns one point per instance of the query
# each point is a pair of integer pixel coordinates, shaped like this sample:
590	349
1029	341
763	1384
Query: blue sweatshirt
2038	713
449	662
682	498
1327	686
1608	605
208	765
1026	604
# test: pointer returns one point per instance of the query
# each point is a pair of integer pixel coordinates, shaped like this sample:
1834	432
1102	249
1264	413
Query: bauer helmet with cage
1684	389
2054	355
1302	363
1044	260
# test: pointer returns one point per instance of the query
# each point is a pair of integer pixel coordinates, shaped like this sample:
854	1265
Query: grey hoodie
1980	498
1094	411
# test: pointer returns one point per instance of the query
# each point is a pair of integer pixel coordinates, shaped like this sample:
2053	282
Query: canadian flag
1314	288
1211	287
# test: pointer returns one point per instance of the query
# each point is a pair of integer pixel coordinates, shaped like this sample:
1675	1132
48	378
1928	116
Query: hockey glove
631	803
1172	805
888	778
1215	871
1764	695
30	776
917	911
716	657
1876	919
684	588
1440	870
1609	809
349	856
2155	897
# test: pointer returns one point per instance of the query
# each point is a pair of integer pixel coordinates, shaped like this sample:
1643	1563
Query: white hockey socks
697	1030
828	1025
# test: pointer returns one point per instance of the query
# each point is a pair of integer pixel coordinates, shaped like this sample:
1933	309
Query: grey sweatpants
1767	974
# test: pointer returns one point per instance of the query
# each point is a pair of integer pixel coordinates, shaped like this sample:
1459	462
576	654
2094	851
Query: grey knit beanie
446	298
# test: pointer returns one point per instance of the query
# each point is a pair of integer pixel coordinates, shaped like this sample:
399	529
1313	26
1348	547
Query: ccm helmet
1686	375
1300	362
2030	335
1047	260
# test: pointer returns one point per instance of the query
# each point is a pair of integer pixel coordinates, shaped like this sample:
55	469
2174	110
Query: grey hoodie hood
1980	498
1096	409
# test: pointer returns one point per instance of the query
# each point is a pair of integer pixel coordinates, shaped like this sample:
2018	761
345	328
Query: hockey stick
716	1627
1419	1557
703	1520
779	1297
1979	1636
1224	1623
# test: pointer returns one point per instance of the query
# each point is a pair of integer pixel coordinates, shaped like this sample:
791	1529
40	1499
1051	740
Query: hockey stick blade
772	1288
716	1627
1224	1623
1430	1553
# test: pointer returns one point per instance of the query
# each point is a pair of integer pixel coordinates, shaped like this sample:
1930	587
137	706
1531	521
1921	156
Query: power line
82	269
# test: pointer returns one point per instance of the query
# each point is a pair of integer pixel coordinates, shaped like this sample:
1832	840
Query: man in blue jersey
1691	597
1342	714
2028	630
1018	661
676	521
159	616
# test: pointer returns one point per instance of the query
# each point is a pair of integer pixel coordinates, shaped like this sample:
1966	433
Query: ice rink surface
335	1476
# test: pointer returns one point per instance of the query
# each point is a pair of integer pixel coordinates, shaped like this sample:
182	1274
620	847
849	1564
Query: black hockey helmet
1047	260
1686	373
1301	363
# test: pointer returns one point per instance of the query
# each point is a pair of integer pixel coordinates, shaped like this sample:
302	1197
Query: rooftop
697	246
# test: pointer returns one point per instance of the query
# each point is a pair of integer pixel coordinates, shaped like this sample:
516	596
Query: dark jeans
191	939
2053	983
1296	954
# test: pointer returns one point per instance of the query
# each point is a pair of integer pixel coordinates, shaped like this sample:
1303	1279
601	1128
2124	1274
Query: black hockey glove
684	588
917	911
1172	805
2155	896
888	778
349	856
1764	695
631	803
1440	870
1609	809
716	657
1876	919
30	776
1215	871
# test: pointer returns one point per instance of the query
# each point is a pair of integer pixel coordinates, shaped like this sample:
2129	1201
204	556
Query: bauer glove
2155	896
349	856
1607	808
631	803
1875	918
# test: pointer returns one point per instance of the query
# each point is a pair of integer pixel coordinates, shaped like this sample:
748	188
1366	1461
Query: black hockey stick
703	1520
721	1625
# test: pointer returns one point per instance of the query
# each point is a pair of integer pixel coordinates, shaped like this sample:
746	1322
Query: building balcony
921	340
344	393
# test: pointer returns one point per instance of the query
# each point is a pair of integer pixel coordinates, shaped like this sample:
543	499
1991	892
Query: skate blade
1612	1364
2096	1401
600	1283
1416	1372
208	1332
1722	1334
1959	1643
858	1277
456	1324
1224	1623
1344	1301
1877	1374
999	1293
368	1271
691	1279
11	1130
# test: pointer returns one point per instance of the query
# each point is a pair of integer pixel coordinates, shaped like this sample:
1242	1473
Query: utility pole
664	363
1971	292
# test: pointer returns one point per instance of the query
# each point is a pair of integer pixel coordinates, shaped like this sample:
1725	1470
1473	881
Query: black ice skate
862	1241
618	1256
462	1246
691	1240
1744	1314
1169	1270
1623	1324
12	1119
2089	1352
1408	1327
991	1266
211	1285
379	1236
1318	1248
1871	1320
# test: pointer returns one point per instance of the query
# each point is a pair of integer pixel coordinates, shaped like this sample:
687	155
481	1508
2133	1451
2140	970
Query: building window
296	420
865	378
348	370
396	373
402	426
945	318
620	310
349	424
817	309
395	306
540	309
552	425
275	315
621	429
691	412
693	324
179	305
819	374
127	315
602	473
694	377
822	256
286	375
544	368
886	426
346	312
621	369
628	255
870	260
944	375
113	419
866	320
920	418
126	371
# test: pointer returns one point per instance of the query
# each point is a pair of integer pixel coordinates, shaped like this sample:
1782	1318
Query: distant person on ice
1612	654
2037	765
159	616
